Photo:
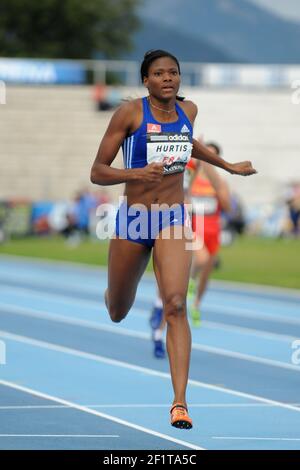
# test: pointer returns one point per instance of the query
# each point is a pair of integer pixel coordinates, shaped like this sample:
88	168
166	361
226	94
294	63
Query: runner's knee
117	314
117	311
174	306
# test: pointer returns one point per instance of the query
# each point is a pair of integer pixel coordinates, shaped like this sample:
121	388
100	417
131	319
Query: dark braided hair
151	56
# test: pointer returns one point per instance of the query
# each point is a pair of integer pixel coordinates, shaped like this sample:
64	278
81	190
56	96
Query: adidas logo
185	129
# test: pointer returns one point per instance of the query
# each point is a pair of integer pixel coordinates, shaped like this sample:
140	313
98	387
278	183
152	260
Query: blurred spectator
71	218
100	95
3	217
84	202
293	203
15	218
102	197
267	219
234	220
105	97
59	219
39	217
100	219
77	216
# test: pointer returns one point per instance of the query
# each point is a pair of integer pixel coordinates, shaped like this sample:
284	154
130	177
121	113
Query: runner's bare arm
201	152
102	173
219	185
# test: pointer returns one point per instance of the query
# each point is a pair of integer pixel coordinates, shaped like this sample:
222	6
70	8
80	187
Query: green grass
254	260
56	248
262	261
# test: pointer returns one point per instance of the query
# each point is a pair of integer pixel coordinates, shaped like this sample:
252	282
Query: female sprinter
155	133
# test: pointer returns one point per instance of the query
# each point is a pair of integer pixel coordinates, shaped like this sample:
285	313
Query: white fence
127	72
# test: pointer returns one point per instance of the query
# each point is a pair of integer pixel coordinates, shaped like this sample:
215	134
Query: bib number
172	149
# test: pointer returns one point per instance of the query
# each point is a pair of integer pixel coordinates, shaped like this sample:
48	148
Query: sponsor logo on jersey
153	127
174	168
168	137
185	128
179	137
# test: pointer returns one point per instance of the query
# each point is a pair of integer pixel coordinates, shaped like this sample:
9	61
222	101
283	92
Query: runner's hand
153	173
242	168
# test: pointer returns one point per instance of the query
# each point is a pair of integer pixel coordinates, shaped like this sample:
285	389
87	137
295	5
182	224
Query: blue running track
71	379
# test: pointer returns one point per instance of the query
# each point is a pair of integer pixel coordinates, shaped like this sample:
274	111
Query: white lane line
149	297
33	407
213	325
65	299
60	435
143	313
43	281
143	370
99	414
257	438
209	307
146	406
146	336
249	288
51	263
234	286
250	313
293	295
246	357
25	311
53	278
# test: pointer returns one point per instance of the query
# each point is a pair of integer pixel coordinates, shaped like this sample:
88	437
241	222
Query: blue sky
287	8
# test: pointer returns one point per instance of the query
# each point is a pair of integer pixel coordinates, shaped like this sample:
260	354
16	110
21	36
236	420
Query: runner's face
163	79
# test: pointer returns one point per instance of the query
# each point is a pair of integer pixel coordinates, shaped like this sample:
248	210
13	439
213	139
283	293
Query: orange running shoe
179	417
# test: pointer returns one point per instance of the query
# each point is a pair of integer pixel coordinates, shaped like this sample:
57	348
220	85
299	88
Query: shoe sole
181	424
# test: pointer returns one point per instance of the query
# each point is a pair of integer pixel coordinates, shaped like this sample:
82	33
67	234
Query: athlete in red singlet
209	194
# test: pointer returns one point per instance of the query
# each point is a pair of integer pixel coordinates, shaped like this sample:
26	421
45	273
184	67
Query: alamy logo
296	354
137	222
185	128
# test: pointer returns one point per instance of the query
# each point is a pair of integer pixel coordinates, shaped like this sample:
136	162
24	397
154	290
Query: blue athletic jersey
154	141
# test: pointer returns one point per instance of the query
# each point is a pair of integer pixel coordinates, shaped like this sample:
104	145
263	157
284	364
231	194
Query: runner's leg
203	279
126	264
172	266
